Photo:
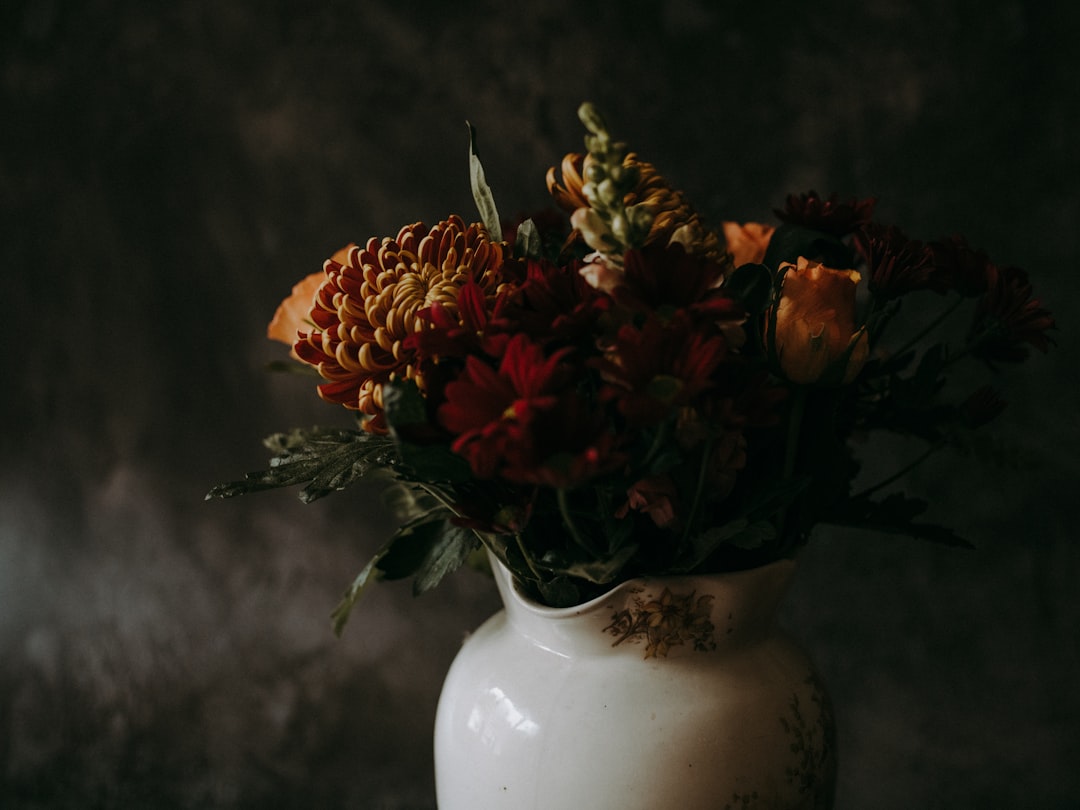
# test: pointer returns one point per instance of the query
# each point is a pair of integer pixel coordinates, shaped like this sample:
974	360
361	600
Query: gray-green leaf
485	200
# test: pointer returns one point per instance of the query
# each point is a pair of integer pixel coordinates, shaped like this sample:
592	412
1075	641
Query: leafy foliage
325	460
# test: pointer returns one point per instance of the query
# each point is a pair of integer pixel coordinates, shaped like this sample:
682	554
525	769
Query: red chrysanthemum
371	301
657	277
895	264
554	302
961	266
834	216
1007	317
654	369
524	421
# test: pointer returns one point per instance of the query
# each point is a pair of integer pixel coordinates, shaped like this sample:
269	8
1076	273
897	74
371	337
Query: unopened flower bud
607	192
816	337
592	119
620	228
641	217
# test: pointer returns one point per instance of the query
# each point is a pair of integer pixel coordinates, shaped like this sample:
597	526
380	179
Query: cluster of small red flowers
544	372
548	383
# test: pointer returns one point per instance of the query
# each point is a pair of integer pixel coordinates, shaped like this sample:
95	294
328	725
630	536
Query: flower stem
791	452
699	490
795	418
930	326
564	510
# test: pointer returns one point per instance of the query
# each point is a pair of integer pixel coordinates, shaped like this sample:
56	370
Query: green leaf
599	572
406	413
752	529
559	592
409	547
528	244
370	574
407	501
403	405
789	242
752	284
325	459
428	550
485	200
453	549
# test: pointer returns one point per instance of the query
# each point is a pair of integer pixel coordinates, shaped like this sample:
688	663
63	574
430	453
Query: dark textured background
169	170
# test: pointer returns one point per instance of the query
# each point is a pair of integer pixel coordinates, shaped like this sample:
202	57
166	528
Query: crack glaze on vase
666	692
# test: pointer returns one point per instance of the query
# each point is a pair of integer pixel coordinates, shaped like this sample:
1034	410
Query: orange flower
293	314
369	302
815	335
747	243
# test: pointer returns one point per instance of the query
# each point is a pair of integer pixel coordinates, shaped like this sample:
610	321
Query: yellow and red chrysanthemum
369	302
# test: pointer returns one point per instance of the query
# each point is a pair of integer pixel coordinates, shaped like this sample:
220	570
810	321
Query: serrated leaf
325	459
404	555
485	200
453	549
428	550
369	574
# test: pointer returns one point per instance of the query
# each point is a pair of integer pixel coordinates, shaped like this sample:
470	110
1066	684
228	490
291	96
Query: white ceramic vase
672	693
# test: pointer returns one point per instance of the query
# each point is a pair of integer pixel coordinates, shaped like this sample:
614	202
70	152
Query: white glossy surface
546	709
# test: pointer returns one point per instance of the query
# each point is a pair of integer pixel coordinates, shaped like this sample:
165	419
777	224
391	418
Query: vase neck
656	617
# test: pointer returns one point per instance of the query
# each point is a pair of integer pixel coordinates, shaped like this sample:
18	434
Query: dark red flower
895	264
1006	317
833	216
457	334
666	275
654	368
961	266
525	421
553	302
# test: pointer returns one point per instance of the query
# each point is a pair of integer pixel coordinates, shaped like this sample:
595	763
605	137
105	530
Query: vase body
668	692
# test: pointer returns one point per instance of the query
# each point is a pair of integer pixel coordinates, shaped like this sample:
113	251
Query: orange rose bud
748	242
815	336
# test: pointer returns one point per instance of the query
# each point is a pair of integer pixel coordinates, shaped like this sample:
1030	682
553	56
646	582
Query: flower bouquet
611	388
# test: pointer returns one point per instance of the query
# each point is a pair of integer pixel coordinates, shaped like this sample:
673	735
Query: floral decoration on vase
613	388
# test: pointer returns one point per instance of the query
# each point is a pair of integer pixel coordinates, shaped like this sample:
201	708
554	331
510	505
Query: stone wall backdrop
168	171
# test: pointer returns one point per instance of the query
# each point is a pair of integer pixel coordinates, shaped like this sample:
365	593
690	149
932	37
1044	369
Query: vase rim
780	567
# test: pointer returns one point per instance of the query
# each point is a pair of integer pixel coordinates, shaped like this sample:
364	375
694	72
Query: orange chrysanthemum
673	216
371	299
